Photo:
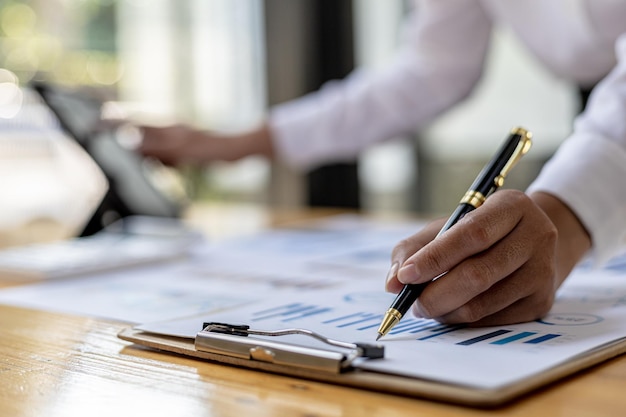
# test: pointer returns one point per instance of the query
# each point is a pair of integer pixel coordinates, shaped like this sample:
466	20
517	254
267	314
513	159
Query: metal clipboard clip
232	340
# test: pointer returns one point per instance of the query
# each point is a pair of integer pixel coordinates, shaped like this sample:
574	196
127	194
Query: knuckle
512	200
477	275
517	197
432	260
476	234
470	313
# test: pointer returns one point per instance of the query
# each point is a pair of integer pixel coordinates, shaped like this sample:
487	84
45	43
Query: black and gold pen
489	180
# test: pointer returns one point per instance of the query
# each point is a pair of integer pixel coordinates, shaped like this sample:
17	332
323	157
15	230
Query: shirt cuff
588	173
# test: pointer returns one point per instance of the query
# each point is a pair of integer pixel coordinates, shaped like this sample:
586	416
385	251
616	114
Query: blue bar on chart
441	330
483	337
342	318
414	326
289	312
411	323
513	338
542	339
356	319
279	308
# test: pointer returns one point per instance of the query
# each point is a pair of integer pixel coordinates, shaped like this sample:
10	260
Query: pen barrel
491	177
460	211
407	297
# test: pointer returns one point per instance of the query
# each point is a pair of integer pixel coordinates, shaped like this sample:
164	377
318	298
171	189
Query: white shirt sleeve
588	172
440	63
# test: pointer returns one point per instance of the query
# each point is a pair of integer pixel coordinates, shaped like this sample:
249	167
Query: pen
488	180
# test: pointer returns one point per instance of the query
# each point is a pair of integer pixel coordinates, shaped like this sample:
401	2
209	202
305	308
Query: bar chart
421	329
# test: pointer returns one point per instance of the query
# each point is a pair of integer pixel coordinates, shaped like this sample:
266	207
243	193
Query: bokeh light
103	68
11	95
65	41
18	20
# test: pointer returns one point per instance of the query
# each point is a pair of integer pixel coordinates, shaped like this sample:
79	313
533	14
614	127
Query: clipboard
232	345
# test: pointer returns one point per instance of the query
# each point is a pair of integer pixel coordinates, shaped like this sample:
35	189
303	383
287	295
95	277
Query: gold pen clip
523	146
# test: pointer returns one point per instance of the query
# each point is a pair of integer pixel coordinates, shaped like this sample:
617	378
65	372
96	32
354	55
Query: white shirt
443	58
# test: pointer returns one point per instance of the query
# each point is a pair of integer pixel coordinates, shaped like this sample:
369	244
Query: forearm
205	146
439	63
257	141
573	240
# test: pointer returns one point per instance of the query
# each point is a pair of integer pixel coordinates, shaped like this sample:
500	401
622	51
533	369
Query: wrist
208	146
256	142
573	239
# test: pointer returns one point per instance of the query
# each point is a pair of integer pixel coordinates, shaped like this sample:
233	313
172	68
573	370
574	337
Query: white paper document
340	250
589	313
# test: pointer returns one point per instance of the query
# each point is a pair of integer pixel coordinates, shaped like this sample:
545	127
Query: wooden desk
60	365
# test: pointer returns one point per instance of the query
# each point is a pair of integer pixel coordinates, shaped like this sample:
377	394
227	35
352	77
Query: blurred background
219	64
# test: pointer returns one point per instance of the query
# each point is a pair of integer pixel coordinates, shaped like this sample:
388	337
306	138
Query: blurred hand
503	261
180	144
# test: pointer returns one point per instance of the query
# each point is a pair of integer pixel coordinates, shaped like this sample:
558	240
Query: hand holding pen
496	266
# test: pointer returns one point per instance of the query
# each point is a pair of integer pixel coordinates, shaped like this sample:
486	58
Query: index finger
476	232
407	247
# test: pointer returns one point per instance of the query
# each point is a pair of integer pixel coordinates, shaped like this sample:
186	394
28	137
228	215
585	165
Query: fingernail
408	274
391	274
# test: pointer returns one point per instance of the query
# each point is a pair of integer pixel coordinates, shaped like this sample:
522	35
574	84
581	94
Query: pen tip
379	336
